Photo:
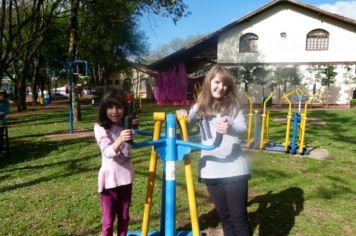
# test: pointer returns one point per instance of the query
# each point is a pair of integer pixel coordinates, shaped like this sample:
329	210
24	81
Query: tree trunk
35	84
72	54
279	97
21	94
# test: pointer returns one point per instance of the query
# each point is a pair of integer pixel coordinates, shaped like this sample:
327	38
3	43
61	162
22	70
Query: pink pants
115	202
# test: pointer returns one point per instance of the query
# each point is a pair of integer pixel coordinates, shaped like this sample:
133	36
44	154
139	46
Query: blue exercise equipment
171	150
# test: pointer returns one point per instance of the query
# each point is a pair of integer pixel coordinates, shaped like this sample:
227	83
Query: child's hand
136	121
181	112
222	126
125	135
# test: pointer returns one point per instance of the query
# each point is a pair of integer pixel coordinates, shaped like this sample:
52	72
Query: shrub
353	102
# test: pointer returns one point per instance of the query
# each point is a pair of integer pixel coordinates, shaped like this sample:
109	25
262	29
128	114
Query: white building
283	33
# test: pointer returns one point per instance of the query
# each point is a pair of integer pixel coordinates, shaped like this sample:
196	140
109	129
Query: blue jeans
230	200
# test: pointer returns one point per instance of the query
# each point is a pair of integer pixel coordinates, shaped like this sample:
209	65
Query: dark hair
111	97
3	93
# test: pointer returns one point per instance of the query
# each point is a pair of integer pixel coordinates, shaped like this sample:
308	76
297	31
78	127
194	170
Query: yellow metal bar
303	125
306	104
299	91
289	119
262	140
249	129
158	118
267	126
183	121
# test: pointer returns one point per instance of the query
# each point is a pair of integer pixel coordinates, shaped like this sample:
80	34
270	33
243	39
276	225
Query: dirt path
85	133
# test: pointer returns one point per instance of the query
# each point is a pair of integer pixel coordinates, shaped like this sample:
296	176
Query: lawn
49	187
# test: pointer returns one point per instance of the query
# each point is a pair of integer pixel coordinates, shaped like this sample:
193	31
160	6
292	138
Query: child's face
115	114
217	87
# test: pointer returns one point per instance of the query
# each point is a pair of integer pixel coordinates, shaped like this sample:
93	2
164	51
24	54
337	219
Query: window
248	43
317	40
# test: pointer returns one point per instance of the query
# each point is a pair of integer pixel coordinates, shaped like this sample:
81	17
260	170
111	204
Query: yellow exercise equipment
183	121
159	118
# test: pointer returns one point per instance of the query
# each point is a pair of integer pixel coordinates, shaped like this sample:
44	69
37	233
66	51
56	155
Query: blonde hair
207	105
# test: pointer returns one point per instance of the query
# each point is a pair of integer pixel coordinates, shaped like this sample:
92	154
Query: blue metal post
163	201
170	178
257	133
170	151
70	84
293	148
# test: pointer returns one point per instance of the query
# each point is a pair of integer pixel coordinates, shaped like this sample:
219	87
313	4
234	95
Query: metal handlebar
217	143
158	144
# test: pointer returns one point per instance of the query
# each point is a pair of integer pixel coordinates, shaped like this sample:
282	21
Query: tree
171	47
350	79
278	80
260	74
72	56
246	74
283	76
25	43
328	75
24	26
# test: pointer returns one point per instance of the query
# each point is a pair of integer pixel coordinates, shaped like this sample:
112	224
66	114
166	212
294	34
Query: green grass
50	187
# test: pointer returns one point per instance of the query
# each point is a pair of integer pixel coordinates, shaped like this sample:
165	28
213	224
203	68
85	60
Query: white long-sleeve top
116	167
226	161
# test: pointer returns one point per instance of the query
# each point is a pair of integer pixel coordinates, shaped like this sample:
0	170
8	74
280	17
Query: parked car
88	91
58	96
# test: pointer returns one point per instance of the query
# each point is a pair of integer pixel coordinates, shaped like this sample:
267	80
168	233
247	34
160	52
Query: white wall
272	48
275	49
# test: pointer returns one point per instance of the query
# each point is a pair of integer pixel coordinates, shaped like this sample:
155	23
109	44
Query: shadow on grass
48	177
208	220
21	151
276	212
50	117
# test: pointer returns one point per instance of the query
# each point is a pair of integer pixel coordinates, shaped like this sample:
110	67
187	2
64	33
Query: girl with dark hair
224	170
116	173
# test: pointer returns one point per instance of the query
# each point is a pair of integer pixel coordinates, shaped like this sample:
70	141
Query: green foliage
353	102
328	74
171	47
105	33
49	187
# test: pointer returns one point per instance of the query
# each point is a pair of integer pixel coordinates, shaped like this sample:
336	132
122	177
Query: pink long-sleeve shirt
116	167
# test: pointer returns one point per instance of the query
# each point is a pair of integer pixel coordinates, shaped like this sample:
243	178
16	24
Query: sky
208	16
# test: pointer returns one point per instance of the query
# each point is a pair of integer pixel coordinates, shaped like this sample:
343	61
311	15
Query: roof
202	50
205	49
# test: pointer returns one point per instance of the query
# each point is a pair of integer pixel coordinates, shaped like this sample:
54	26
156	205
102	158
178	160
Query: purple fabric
183	80
115	202
172	85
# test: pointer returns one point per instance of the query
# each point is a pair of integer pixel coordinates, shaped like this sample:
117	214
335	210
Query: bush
353	102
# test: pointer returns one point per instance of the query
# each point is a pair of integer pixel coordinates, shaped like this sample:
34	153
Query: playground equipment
294	144
70	65
171	150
